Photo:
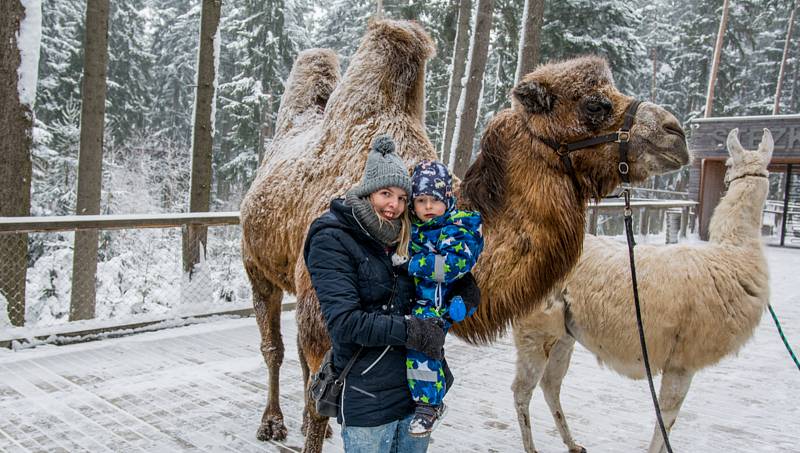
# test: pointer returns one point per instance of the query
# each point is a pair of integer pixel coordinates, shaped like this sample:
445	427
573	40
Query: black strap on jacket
346	370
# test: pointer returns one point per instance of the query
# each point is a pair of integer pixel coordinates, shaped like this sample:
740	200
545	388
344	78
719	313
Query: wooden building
707	137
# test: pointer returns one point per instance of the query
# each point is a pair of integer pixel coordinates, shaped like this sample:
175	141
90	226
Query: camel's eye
598	106
596	111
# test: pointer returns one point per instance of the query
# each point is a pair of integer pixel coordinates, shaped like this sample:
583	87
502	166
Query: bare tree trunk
16	125
468	106
655	76
379	9
267	128
203	136
530	39
459	63
777	107
90	160
793	97
712	78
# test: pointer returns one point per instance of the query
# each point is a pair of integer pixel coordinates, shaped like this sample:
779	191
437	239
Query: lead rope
783	337
631	243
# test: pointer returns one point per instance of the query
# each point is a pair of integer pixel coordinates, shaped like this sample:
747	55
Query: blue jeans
392	437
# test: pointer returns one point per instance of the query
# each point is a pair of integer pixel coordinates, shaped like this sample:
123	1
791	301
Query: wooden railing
96	329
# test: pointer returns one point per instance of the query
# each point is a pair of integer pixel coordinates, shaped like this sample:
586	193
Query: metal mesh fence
124	275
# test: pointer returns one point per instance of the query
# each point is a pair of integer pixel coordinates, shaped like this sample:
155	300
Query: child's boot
426	418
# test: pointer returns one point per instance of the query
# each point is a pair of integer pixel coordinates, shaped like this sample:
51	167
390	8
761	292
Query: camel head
576	99
748	163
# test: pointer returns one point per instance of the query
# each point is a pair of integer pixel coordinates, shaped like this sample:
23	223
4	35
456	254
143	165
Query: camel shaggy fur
700	303
533	215
324	129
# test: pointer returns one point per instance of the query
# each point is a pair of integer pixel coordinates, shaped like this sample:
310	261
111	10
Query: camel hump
314	75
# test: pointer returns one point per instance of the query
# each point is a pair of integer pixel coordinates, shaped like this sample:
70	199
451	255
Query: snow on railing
139	279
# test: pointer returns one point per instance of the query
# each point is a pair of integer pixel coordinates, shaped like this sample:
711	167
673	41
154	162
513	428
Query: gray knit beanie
384	169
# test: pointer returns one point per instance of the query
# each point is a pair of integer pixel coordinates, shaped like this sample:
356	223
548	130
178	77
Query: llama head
748	163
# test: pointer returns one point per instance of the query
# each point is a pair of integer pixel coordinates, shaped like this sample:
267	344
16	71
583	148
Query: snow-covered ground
203	387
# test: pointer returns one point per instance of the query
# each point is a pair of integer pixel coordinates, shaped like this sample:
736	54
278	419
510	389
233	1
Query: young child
445	244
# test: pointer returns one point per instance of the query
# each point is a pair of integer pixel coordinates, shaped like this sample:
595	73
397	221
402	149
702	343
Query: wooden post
593	219
203	138
712	79
777	107
684	221
643	213
786	191
90	160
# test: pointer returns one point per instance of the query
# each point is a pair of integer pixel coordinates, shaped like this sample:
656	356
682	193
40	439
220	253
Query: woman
355	254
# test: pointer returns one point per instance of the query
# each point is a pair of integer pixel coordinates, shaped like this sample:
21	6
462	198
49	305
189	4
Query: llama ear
734	147
767	144
535	97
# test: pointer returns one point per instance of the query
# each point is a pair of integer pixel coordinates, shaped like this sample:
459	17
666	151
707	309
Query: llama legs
532	358
553	376
674	387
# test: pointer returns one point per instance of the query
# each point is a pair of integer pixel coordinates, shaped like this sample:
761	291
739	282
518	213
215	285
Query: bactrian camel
700	303
534	216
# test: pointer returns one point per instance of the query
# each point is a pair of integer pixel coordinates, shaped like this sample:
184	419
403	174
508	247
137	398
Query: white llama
700	303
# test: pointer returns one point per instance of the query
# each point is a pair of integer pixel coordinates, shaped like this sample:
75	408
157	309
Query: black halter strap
622	136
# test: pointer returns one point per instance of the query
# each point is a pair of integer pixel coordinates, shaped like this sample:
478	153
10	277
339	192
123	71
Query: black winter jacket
354	280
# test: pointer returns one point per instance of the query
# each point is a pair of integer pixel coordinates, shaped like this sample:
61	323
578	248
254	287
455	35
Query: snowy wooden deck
203	387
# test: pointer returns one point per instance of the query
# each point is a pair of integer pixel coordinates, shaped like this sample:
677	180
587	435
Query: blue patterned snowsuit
443	249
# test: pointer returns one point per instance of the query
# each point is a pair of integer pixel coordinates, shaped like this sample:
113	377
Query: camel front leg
674	387
267	307
532	357
554	374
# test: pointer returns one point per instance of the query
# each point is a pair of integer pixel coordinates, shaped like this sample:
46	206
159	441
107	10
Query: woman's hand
426	336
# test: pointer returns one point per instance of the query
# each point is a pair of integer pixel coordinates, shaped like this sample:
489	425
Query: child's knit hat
384	169
432	178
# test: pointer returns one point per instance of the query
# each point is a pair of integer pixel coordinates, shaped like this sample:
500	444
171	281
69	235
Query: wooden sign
707	136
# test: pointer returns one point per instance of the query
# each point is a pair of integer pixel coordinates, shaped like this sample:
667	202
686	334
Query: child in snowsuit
445	244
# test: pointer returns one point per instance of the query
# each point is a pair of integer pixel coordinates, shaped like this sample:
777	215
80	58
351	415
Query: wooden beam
105	222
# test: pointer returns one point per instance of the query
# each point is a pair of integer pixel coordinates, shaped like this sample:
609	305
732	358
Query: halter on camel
621	136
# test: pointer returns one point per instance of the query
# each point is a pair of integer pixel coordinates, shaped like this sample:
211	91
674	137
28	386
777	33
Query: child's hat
432	178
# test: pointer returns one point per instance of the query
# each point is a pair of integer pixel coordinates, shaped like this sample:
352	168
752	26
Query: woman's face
389	202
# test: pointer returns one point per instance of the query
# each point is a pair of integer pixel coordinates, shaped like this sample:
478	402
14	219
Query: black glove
467	288
426	336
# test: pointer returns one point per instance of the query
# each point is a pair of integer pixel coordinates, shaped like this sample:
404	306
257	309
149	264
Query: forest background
659	50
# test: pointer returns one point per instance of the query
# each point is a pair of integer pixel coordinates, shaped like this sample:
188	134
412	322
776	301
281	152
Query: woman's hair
405	230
